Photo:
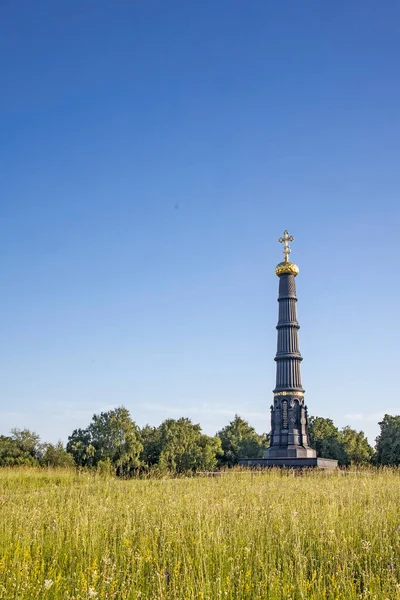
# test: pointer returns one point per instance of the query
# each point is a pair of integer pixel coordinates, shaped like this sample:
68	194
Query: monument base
290	463
294	451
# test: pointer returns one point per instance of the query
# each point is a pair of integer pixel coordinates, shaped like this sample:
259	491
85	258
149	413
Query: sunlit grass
240	536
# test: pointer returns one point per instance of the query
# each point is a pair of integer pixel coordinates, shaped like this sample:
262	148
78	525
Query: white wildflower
366	545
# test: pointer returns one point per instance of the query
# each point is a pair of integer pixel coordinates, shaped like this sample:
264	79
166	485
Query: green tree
110	436
11	454
55	455
388	441
151	442
80	447
28	442
183	448
240	440
22	447
356	446
325	437
116	437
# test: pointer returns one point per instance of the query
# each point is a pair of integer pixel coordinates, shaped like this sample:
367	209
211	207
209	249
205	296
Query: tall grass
273	536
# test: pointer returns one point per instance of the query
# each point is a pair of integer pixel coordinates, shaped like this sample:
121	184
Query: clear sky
151	154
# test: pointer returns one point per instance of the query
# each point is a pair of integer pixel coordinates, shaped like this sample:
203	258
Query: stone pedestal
289	452
290	463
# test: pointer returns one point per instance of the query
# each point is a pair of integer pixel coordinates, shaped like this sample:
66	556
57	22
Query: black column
289	432
288	358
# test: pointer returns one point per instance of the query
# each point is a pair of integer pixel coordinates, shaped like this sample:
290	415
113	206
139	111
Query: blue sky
151	155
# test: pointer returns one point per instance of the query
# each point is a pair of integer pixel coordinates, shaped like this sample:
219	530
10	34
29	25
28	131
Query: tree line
114	443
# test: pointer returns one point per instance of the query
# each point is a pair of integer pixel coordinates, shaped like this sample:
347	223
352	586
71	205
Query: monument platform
290	463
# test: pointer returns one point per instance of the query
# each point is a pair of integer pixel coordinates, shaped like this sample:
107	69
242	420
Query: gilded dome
287	267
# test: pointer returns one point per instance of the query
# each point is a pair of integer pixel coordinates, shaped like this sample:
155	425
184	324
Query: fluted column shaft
288	357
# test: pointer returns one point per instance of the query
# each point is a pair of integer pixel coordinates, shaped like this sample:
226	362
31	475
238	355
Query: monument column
289	437
289	440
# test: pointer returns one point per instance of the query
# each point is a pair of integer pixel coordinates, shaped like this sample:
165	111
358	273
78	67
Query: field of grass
70	535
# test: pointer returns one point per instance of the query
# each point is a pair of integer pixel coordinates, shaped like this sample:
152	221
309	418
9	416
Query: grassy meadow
70	535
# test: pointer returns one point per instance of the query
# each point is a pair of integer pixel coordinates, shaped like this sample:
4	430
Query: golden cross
285	240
